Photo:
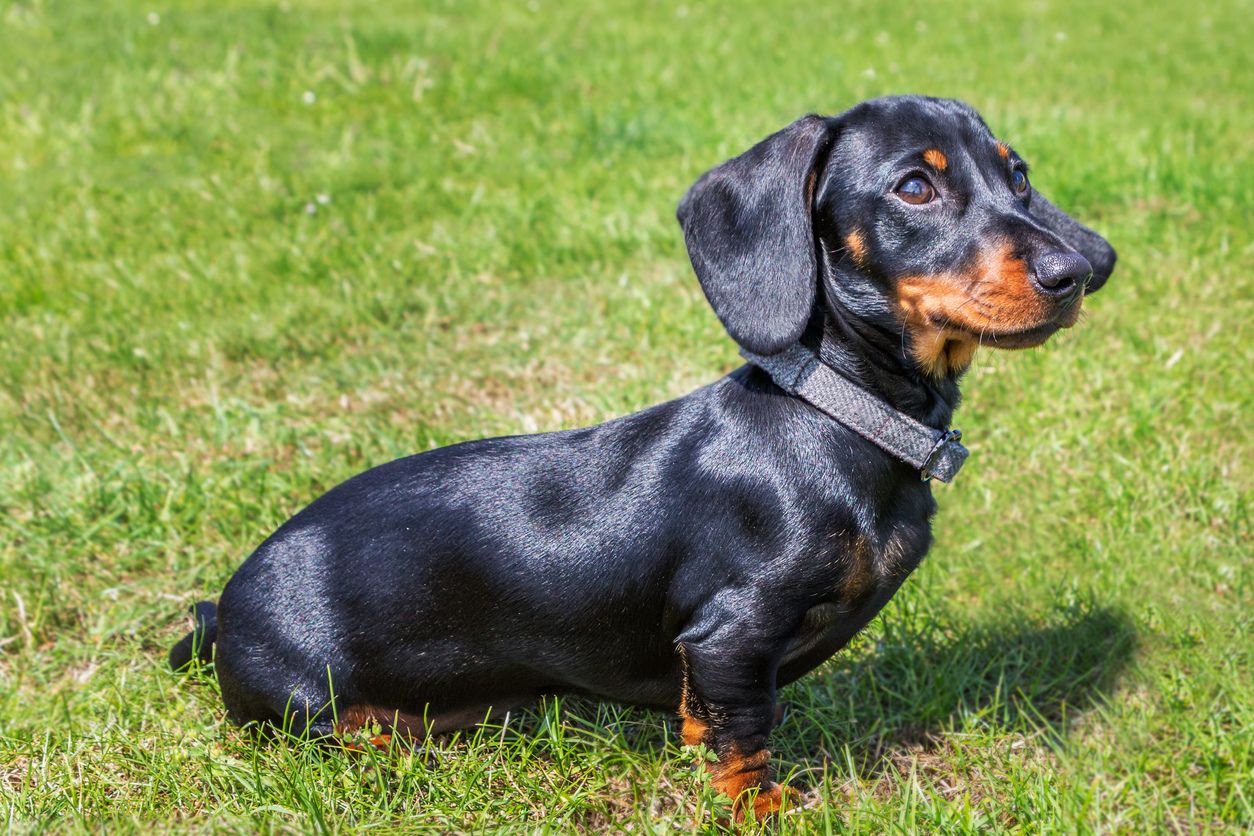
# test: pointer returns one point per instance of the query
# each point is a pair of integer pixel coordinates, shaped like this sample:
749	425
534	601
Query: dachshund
699	554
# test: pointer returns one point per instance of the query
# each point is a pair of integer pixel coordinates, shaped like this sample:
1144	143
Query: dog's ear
1078	236
749	235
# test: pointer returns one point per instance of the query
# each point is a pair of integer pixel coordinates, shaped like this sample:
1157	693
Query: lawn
248	249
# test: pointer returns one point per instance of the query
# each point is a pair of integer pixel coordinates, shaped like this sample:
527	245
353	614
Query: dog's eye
1019	180
916	191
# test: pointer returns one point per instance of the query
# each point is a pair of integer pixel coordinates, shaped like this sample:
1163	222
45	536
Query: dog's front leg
728	703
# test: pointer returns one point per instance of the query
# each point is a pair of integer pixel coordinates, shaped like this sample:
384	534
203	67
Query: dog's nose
1060	275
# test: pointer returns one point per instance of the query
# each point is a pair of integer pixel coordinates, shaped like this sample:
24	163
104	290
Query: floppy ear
1078	236
748	229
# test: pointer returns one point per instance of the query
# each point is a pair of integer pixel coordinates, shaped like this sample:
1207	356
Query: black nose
1061	274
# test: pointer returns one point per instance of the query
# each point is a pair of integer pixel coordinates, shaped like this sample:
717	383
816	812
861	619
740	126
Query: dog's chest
870	574
817	624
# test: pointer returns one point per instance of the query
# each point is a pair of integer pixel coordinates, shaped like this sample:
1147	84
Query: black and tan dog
702	553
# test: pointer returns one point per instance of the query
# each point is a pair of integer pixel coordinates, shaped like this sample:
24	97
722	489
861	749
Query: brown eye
1019	180
916	191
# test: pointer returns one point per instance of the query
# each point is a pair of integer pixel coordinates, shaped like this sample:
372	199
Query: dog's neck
873	358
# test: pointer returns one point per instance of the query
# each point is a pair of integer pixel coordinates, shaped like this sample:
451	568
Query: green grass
194	344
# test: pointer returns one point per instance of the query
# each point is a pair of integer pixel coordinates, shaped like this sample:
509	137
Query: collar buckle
950	437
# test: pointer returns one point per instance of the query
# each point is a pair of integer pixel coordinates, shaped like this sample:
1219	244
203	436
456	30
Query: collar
934	453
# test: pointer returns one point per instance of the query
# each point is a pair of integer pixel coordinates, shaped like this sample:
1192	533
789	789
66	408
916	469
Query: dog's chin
1030	338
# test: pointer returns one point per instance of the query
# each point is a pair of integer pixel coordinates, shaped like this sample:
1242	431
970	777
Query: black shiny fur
736	522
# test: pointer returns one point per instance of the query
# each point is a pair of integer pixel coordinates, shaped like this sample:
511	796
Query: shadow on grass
920	676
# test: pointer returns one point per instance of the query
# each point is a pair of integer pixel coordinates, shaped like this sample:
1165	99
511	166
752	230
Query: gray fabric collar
934	453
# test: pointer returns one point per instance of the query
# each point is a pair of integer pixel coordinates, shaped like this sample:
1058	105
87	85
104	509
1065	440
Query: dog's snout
1060	275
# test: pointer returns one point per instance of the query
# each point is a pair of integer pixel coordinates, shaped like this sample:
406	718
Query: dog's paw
768	802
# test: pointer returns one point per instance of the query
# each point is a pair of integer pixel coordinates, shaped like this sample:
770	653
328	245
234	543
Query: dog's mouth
1029	338
1022	337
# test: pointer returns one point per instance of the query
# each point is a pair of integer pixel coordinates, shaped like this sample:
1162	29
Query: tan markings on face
1002	150
856	244
943	351
959	354
947	315
936	159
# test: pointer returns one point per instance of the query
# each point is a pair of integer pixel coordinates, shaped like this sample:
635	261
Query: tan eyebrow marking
856	246
1002	150
935	159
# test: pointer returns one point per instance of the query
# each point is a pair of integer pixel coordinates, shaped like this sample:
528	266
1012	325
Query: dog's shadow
900	691
897	696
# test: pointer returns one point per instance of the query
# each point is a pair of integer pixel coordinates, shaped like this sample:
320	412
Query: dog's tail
198	643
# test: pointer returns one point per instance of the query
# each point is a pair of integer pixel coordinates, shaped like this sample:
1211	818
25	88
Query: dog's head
905	212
